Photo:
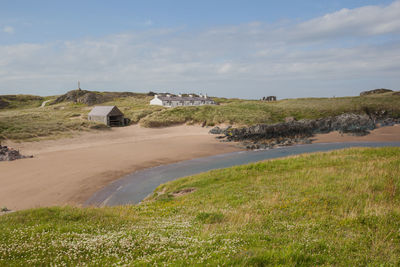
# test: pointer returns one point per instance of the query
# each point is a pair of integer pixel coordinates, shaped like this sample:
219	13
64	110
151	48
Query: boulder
9	154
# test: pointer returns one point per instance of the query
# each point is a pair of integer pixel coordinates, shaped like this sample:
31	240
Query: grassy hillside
339	208
242	112
28	121
18	101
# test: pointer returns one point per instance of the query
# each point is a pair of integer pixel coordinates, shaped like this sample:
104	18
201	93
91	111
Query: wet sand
69	171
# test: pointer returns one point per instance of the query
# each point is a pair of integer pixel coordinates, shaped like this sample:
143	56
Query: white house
175	101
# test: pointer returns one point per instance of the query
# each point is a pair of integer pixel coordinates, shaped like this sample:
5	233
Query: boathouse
109	115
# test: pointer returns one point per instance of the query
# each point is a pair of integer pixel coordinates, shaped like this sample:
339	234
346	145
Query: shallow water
134	187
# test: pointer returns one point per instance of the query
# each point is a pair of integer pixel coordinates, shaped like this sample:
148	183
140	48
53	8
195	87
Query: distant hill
92	97
16	101
375	91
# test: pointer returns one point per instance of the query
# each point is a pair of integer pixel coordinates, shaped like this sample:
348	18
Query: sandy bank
69	171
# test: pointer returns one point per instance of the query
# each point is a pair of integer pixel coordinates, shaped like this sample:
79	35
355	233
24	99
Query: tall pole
79	85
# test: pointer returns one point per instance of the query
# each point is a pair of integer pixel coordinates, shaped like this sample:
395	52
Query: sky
229	48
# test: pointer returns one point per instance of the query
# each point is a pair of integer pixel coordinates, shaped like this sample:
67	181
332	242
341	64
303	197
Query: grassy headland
30	122
26	120
249	112
337	208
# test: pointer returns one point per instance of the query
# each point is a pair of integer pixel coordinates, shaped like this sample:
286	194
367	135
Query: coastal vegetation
22	118
335	208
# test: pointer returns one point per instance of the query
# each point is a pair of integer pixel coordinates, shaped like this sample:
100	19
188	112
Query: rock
215	130
3	104
293	132
226	130
90	97
9	154
375	91
289	119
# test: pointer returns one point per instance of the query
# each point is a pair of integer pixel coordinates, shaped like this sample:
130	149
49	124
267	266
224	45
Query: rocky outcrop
295	132
218	130
80	96
89	97
9	154
375	91
3	104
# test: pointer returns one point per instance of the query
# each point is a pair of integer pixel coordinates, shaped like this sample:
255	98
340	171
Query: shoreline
70	171
138	186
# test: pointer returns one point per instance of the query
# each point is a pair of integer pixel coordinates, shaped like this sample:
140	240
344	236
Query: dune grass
338	208
18	101
27	121
249	112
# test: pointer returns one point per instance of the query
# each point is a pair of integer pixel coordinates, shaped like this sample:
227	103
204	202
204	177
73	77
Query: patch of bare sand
69	171
383	134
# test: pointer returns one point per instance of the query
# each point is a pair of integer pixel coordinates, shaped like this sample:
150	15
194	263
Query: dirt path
44	103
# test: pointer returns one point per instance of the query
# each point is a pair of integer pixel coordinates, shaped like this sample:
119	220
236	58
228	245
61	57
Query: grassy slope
337	208
27	121
17	101
31	123
242	112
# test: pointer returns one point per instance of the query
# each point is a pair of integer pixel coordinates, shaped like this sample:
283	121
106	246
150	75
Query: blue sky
225	48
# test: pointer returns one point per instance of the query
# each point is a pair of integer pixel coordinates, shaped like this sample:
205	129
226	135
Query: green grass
339	208
24	120
18	101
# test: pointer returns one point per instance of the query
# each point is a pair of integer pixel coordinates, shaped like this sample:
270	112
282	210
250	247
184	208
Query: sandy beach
69	171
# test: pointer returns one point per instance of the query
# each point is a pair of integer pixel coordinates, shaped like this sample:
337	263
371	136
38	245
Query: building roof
183	98
105	111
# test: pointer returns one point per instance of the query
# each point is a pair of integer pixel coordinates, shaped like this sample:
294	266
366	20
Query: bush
210	217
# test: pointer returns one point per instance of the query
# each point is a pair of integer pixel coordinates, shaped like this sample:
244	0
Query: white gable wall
156	101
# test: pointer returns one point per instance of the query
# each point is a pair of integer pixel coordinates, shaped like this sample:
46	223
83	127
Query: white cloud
8	29
363	21
248	60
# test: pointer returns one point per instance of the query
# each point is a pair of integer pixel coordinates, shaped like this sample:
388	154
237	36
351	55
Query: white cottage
175	101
